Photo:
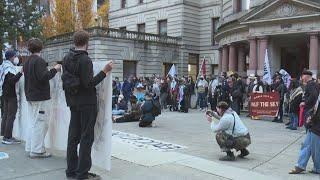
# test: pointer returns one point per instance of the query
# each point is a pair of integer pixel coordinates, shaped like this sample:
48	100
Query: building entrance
294	54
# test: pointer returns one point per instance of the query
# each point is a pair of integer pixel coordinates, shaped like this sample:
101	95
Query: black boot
244	153
228	157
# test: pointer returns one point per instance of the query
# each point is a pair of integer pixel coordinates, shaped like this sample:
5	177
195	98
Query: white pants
38	127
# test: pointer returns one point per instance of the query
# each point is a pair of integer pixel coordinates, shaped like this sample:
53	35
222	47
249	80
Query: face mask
16	61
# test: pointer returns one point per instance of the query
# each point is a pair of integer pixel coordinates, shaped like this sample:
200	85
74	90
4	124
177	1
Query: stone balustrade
119	34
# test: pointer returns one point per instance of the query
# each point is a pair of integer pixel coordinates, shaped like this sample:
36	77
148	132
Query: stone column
314	54
252	56
263	45
233	62
220	61
225	58
241	61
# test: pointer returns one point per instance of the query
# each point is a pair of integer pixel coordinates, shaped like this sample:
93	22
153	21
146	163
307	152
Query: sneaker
6	141
39	155
93	176
229	157
244	153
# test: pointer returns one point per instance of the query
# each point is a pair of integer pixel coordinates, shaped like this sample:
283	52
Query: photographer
230	131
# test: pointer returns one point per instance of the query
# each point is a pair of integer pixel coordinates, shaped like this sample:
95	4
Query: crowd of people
142	99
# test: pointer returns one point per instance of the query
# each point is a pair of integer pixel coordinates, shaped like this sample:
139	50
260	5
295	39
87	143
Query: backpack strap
234	123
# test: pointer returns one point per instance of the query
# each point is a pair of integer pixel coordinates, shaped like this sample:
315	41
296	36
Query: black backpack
70	76
156	107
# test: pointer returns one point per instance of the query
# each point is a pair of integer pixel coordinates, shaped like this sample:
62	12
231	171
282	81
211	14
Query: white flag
172	71
266	69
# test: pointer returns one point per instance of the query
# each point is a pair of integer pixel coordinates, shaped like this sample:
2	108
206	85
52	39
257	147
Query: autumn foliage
71	15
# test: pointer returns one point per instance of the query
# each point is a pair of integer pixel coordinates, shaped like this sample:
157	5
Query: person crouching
147	112
230	131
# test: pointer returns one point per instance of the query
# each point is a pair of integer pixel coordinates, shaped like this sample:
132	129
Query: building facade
195	22
287	29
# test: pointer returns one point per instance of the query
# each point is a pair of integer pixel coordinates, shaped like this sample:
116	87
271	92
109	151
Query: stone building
148	36
288	29
195	22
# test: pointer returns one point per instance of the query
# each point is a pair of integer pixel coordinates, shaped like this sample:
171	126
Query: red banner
264	104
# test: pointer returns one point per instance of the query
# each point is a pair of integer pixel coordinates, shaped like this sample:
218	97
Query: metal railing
120	34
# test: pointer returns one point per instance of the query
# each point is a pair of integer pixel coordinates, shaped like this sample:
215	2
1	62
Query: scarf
295	93
5	68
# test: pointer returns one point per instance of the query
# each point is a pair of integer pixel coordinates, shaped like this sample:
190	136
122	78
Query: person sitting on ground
230	131
122	106
147	108
140	93
133	115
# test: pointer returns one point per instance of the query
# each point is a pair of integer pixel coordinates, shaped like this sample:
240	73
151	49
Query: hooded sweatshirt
79	63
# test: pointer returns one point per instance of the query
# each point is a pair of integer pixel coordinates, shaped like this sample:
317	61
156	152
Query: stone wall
148	56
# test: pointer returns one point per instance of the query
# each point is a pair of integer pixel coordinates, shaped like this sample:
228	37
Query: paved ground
274	152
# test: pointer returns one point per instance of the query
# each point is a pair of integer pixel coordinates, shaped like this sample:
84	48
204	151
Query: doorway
294	60
193	65
129	69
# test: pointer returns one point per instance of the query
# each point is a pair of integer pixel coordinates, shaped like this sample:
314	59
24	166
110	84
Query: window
123	28
237	6
214	25
123	3
162	27
142	28
140	1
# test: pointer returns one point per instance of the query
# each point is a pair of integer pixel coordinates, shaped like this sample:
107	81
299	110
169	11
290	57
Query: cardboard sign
264	104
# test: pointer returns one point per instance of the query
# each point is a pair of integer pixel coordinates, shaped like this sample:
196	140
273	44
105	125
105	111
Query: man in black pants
79	85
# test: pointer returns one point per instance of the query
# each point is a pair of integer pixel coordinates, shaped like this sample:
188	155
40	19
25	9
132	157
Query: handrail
120	34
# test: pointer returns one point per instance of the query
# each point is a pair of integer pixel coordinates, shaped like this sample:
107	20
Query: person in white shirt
230	131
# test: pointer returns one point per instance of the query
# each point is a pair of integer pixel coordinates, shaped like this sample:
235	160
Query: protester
147	109
174	90
251	85
8	79
202	86
115	91
183	97
37	91
281	89
133	115
127	89
230	131
237	91
164	90
211	92
311	143
190	85
295	99
81	98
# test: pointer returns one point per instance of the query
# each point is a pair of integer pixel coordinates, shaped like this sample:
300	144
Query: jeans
81	131
202	100
10	107
311	148
294	120
39	126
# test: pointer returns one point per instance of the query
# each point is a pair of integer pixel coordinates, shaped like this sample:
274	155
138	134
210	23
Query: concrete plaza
274	151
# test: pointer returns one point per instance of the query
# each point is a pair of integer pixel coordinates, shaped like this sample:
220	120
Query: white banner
59	118
266	69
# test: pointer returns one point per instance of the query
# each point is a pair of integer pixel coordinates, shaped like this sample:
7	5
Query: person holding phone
231	133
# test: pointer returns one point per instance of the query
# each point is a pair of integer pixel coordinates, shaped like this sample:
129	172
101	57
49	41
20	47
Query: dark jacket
315	123
86	94
281	89
146	109
37	76
310	97
294	104
9	85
